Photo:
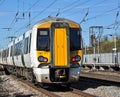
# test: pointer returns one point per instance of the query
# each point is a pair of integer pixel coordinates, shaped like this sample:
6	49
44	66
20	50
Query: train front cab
60	55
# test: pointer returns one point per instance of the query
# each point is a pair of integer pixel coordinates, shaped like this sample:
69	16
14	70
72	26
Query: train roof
50	20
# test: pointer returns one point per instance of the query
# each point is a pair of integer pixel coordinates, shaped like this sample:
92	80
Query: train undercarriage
58	76
25	73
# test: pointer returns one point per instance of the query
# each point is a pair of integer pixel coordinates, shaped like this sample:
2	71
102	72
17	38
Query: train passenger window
17	48
26	45
0	54
75	38
43	40
7	52
30	42
4	53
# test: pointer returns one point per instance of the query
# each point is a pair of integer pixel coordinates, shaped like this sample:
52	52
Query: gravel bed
105	91
10	87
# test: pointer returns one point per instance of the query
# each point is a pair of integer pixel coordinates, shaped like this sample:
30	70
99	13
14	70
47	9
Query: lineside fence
109	60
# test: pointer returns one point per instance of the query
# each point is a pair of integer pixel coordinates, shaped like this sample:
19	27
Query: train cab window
75	39
43	39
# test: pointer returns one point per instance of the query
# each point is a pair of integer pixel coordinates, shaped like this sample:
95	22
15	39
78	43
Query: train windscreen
43	39
75	39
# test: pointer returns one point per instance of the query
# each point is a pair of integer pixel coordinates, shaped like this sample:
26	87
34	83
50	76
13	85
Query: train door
26	56
60	44
12	53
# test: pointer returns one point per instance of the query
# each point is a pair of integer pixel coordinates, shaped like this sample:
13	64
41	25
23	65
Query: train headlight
42	59
76	58
45	60
73	59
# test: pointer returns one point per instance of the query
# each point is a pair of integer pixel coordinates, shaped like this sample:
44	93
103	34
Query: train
49	52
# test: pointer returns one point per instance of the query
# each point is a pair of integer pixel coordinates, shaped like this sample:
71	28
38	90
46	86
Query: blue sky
14	14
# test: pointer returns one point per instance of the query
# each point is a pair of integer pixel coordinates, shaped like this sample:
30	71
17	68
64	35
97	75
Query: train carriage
51	52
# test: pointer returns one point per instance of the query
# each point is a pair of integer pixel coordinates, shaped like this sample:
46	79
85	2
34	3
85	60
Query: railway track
62	91
105	79
58	91
71	92
99	81
39	89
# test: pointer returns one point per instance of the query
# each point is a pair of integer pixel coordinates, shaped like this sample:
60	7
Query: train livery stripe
60	47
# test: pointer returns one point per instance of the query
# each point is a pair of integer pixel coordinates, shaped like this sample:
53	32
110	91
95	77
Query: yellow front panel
60	47
44	54
74	53
44	25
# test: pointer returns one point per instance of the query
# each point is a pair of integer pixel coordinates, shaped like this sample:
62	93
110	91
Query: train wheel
6	71
30	77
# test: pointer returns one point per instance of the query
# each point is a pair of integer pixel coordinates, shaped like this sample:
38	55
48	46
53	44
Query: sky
20	15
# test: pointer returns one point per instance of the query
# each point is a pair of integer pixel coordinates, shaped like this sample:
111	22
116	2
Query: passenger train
50	52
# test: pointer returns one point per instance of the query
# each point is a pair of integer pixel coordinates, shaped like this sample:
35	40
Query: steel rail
37	88
105	78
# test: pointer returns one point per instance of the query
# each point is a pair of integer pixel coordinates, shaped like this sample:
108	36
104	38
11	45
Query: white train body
22	57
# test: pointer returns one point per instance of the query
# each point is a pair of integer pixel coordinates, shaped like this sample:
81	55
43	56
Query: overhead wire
111	25
116	22
13	21
106	12
44	10
2	1
86	8
34	4
86	13
23	14
59	9
15	17
29	13
64	10
51	5
23	27
73	7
